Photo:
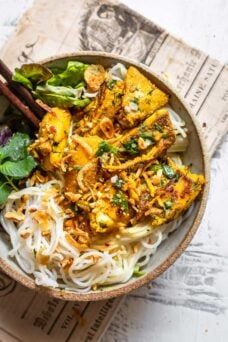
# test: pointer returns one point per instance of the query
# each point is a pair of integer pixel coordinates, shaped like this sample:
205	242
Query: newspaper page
26	315
54	27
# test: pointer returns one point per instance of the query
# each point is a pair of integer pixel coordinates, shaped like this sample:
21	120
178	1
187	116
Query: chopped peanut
15	216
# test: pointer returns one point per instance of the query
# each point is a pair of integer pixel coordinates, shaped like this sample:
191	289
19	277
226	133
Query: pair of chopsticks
17	94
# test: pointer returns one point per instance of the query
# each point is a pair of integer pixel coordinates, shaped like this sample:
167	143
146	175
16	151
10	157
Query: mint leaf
5	191
18	169
16	148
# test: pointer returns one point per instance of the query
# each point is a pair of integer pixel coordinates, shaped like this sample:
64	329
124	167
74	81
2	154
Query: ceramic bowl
177	242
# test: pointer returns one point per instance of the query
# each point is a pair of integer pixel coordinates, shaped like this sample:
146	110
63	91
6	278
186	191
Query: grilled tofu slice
52	138
82	179
179	189
144	143
111	210
112	100
106	106
141	98
82	151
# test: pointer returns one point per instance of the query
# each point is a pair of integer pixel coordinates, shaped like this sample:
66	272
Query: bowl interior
172	247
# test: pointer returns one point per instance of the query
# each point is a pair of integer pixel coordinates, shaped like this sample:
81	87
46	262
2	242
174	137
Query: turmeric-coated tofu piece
106	106
111	210
52	138
179	188
143	143
141	98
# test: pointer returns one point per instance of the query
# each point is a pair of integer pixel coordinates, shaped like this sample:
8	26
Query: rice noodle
116	264
181	141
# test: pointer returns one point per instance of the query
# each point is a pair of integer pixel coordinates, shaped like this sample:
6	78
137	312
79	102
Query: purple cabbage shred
5	135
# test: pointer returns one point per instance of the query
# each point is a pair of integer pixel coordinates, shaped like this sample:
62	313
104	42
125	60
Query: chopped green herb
150	92
131	147
162	183
168	171
111	83
77	167
147	135
158	127
135	100
137	272
177	176
105	147
155	167
75	208
165	135
119	183
120	200
168	204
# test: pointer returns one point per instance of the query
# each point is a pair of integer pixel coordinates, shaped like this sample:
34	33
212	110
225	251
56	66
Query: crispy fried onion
128	164
80	141
81	175
107	128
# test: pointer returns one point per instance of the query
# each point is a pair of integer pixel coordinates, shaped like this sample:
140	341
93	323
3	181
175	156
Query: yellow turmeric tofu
82	149
179	189
106	106
82	178
141	98
52	138
110	212
111	100
143	143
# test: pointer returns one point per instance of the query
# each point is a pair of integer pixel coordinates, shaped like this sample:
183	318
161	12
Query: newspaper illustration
50	28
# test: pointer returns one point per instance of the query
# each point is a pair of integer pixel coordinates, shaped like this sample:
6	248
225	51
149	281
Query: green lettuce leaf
31	74
57	69
16	148
73	74
18	77
18	169
54	100
58	90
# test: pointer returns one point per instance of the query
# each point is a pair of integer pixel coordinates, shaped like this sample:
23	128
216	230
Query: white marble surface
190	301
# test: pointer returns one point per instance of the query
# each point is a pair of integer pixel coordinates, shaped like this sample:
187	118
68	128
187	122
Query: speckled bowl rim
138	282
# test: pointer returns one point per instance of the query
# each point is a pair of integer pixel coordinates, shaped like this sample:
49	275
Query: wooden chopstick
20	90
4	89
